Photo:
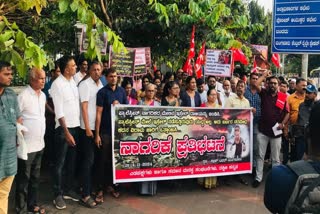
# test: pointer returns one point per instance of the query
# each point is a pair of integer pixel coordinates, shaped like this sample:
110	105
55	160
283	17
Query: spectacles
150	91
212	94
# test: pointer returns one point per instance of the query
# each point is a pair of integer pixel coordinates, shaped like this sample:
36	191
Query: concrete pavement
178	197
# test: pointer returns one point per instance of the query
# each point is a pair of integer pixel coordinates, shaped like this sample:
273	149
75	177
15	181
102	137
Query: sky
267	4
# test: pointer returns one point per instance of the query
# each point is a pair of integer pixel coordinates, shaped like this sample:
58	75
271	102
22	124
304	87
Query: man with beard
201	91
271	115
110	94
9	116
303	118
226	93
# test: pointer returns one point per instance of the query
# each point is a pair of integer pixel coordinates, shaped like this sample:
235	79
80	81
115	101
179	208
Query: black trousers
27	182
103	173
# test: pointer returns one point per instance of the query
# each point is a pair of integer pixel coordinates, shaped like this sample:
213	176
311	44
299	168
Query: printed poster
218	63
166	143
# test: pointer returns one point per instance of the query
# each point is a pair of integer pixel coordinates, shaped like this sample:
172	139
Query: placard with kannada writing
122	62
165	143
218	63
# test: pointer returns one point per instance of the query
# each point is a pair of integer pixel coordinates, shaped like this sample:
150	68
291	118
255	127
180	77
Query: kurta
9	113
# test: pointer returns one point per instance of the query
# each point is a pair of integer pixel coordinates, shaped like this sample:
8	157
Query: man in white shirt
82	72
88	90
226	93
201	91
213	83
66	101
32	103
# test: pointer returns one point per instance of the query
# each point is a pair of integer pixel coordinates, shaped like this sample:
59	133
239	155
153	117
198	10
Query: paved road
179	197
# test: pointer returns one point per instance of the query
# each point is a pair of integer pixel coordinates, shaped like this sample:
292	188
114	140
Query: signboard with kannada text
296	26
140	67
218	63
165	143
122	62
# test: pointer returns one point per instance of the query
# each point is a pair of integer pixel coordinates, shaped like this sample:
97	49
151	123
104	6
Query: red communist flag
238	55
200	61
276	59
188	66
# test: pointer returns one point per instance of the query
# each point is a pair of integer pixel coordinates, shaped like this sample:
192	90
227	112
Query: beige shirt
236	102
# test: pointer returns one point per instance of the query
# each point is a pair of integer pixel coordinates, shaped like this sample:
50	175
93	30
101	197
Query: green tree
24	51
166	25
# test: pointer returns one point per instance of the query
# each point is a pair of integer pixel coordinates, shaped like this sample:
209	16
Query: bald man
32	103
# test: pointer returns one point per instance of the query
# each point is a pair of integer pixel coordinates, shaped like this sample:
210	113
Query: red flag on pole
188	66
254	69
238	55
200	61
276	59
254	62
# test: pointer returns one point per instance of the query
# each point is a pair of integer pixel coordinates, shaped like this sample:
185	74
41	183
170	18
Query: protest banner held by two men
165	143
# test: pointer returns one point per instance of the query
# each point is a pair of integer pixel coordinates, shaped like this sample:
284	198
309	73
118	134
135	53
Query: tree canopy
33	32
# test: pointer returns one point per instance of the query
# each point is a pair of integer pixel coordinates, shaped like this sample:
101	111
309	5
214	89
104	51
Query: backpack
305	197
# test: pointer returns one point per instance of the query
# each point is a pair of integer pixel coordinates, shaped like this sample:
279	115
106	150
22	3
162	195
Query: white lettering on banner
140	58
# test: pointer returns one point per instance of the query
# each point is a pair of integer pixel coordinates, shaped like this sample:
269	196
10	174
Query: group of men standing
83	127
82	108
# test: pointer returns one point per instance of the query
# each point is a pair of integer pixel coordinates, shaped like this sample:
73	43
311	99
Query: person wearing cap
202	92
281	181
303	118
292	86
294	101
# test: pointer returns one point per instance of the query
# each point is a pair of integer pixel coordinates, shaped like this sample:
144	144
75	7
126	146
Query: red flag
238	55
254	62
188	66
276	59
254	69
200	61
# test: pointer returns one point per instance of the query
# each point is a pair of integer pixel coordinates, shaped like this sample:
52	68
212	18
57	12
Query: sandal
99	197
37	210
90	203
113	192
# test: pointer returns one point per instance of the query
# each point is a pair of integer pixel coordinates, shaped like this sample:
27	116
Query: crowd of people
70	116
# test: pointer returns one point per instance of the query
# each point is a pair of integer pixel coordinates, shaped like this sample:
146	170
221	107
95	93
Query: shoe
255	184
71	196
59	203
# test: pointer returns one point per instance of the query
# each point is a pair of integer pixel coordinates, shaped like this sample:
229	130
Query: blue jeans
279	186
87	150
65	158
